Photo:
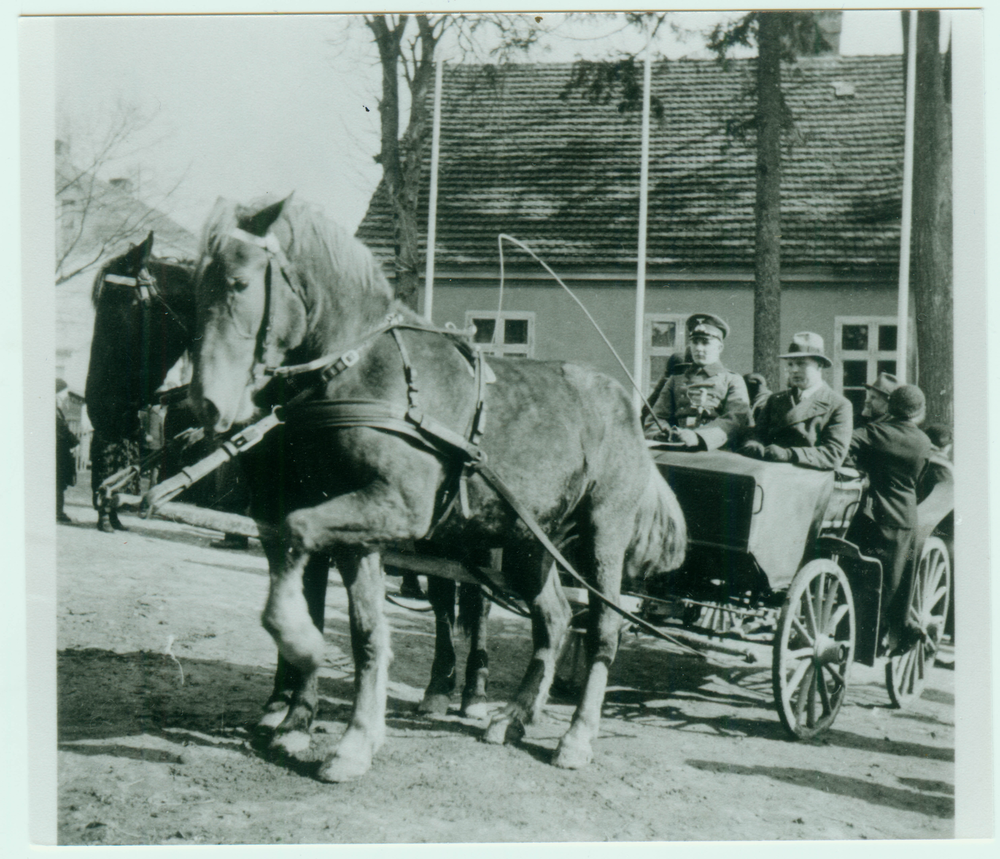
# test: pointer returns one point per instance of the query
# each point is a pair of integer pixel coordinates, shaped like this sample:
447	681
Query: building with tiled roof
95	221
524	153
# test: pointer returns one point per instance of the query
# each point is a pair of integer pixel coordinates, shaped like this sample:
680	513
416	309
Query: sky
241	106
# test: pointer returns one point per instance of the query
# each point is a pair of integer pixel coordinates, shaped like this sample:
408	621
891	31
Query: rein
382	415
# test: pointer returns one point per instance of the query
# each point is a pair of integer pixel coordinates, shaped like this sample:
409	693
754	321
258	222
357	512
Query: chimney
829	22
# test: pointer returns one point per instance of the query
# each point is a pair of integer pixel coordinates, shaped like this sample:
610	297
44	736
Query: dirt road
162	663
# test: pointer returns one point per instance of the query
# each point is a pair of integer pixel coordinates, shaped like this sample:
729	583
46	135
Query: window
513	337
664	334
864	347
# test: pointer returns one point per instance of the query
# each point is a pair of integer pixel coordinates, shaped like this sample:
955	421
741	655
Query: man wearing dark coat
893	452
66	440
809	423
701	405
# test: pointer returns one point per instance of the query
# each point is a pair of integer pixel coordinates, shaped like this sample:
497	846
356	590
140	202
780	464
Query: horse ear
138	255
260	221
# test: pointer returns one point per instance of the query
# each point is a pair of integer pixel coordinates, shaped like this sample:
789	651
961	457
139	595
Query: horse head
142	324
250	309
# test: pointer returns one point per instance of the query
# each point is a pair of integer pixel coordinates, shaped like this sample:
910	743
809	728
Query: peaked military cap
707	323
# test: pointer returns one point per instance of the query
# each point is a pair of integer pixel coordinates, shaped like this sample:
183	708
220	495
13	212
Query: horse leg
300	690
603	634
550	615
364	579
437	696
473	613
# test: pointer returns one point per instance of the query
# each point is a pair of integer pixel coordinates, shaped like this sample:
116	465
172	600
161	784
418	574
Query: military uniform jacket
816	430
709	400
893	453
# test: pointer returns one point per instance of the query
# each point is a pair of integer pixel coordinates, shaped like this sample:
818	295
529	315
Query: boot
104	522
116	523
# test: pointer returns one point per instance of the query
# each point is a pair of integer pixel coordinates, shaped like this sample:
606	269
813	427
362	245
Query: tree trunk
931	241
402	159
767	209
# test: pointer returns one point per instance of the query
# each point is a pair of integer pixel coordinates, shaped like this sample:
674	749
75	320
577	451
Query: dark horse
280	285
145	321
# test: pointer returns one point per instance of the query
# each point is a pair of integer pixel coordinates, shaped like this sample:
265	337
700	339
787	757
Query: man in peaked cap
877	394
808	423
893	452
703	405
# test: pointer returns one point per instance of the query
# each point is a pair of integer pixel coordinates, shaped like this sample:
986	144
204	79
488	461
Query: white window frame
649	351
499	348
872	355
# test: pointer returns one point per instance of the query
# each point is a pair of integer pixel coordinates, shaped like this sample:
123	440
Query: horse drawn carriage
768	562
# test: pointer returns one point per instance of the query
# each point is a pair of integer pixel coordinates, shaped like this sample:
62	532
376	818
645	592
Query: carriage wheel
906	674
813	648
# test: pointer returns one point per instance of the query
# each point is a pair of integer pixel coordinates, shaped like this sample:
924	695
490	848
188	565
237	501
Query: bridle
275	259
146	291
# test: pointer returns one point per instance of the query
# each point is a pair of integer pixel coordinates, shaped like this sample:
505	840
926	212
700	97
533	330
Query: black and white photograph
505	427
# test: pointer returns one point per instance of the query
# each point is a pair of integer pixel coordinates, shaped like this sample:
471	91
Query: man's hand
753	449
687	437
773	453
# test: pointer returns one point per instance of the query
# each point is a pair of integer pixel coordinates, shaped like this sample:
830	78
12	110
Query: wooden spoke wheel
813	648
906	673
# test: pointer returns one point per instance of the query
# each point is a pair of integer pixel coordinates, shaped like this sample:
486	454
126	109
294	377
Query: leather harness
409	421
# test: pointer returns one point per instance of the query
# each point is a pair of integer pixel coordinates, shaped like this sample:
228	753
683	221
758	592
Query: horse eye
236	283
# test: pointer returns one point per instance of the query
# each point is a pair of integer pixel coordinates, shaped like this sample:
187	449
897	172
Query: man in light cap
704	405
893	453
877	394
809	423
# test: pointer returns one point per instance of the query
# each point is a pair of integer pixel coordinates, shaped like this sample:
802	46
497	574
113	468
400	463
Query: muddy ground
162	664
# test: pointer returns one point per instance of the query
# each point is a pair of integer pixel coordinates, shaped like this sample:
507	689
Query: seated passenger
808	423
877	395
893	452
702	406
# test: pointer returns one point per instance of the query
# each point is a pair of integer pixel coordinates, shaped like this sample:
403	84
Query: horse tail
659	536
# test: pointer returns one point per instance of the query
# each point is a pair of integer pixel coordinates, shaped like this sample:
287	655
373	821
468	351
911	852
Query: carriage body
768	562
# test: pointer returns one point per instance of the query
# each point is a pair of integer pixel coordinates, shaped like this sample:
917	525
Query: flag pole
903	293
640	275
432	207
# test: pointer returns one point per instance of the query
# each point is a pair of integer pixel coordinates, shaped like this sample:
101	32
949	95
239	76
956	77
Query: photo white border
31	336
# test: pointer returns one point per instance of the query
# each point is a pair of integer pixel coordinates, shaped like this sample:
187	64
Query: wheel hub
829	650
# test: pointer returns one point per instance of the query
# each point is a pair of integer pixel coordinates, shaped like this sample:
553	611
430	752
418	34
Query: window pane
664	334
855	374
515	331
857	399
887	338
855	337
484	330
887	367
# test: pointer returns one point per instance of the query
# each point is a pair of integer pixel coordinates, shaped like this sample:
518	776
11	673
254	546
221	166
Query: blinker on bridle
145	286
272	247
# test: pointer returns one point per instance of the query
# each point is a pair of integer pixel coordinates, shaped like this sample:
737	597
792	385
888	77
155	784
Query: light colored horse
279	284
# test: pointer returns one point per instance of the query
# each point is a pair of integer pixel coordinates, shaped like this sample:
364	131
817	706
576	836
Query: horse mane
328	261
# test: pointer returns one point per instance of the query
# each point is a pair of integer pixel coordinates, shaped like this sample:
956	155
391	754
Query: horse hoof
475	710
503	729
572	755
340	769
271	719
434	705
290	742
